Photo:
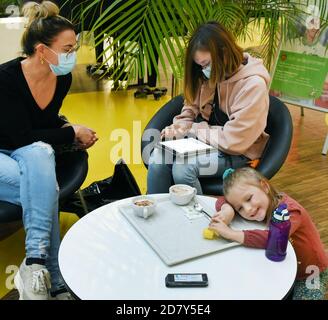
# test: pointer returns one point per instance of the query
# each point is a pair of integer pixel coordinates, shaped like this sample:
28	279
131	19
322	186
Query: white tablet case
176	238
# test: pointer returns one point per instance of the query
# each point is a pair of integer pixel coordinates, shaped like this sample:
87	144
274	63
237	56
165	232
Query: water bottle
276	248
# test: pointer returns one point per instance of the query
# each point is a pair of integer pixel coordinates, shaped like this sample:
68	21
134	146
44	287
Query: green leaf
142	29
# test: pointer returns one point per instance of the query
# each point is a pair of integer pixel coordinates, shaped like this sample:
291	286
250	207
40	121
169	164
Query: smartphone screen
188	277
186	280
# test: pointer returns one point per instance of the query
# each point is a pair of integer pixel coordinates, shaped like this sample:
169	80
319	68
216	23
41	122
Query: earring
41	60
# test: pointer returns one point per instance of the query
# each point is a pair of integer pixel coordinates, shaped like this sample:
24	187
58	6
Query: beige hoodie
244	98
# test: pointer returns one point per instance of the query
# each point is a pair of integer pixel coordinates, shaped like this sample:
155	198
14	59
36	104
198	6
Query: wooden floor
304	176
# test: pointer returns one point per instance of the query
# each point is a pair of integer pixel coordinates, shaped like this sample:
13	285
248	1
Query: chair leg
9	228
84	205
325	146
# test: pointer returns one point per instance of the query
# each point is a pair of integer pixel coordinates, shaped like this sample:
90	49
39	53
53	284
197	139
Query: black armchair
71	170
279	127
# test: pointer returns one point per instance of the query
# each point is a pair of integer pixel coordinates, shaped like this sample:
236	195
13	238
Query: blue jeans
28	179
165	170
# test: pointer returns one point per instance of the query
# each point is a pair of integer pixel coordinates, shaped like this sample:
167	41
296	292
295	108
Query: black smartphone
186	280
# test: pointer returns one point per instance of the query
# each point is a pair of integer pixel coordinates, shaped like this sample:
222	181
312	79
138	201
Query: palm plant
143	31
5	3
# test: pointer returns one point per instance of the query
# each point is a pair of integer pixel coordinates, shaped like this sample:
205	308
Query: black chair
279	127
71	170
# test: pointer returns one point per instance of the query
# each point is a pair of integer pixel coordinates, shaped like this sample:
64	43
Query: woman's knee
9	171
185	173
159	162
37	152
39	148
159	157
37	163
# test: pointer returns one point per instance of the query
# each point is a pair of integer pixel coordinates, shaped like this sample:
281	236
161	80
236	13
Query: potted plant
143	32
5	3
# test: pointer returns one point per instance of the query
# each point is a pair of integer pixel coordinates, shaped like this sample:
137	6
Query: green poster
300	75
301	72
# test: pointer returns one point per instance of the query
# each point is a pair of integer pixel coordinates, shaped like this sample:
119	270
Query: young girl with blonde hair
251	195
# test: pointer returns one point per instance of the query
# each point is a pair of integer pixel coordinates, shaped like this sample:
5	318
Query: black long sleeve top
22	122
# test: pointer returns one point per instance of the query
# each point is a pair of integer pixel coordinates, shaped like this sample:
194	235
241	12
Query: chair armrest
162	118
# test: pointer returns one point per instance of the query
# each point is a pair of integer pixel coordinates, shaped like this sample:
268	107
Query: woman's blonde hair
226	57
250	176
33	10
44	24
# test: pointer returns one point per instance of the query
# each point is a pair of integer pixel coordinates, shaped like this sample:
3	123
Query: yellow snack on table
209	234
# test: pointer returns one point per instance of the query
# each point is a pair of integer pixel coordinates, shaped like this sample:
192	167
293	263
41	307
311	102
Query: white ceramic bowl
182	194
143	206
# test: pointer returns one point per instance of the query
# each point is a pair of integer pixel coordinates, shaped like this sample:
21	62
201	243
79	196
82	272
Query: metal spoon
198	207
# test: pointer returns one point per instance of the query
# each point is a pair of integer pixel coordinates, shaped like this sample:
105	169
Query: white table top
103	257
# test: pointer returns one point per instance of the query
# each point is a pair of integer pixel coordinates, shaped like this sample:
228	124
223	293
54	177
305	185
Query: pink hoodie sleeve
247	120
188	114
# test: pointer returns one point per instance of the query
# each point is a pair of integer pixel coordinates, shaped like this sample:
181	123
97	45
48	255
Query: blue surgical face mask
207	71
66	63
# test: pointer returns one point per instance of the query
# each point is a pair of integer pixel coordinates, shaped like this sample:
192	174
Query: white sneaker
62	296
32	282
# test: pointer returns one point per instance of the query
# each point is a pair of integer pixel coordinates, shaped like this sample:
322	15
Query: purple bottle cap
282	206
281	213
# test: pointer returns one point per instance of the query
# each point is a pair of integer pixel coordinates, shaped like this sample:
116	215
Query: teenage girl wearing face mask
226	105
251	195
32	89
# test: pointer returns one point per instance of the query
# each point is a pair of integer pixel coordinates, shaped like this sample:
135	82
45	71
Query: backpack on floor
120	185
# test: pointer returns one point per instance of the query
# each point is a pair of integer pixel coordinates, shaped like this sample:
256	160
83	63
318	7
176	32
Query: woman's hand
175	131
226	214
67	124
85	137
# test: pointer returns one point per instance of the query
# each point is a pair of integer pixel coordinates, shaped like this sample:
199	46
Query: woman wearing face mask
226	105
32	90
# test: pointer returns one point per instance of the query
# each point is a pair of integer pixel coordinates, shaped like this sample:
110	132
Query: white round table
103	257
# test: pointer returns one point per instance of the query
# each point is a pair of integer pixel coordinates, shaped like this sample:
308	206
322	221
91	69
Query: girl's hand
226	214
174	131
221	229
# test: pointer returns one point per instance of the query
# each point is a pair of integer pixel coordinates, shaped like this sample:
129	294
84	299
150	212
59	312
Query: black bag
217	116
120	185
